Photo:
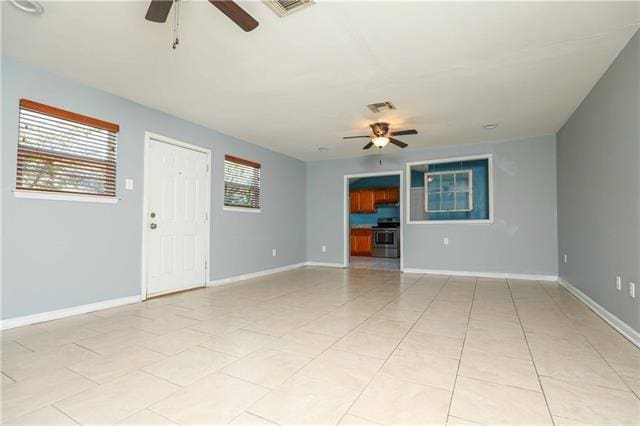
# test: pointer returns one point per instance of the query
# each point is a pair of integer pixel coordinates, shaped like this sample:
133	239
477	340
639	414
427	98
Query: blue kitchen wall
382	211
376	182
480	188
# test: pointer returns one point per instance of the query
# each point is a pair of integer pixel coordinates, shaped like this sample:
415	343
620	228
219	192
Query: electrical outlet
618	282
565	258
632	290
274	252
324	249
128	184
445	241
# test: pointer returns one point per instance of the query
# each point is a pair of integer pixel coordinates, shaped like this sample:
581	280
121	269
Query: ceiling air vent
381	106
287	7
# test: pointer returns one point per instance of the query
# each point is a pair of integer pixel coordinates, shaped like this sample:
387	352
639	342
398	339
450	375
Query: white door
177	221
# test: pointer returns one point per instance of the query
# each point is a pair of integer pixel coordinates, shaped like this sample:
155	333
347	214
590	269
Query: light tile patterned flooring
328	346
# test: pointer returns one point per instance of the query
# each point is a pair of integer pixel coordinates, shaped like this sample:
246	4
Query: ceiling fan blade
404	132
158	10
367	146
236	14
354	137
398	143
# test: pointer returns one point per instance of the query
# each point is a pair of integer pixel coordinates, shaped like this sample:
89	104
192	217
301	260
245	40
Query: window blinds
60	151
241	183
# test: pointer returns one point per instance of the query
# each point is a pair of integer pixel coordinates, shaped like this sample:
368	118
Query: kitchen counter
363	226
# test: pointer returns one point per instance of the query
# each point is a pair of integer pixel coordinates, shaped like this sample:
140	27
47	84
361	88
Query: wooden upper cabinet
392	195
366	200
354	201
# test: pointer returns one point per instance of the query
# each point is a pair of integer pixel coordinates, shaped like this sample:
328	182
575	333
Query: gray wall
522	239
59	254
599	189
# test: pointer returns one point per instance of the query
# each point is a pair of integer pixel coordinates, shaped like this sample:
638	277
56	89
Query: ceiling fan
159	11
382	136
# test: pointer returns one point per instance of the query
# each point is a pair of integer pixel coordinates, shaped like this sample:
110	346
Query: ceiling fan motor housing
380	129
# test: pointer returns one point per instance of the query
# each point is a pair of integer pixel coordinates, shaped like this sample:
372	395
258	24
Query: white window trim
488	157
241	209
46	195
454	172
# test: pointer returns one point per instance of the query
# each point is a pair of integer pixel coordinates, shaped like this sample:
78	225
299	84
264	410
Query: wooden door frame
346	207
148	136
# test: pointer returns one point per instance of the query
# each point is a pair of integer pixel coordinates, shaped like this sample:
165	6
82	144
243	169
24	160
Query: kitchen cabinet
367	200
361	242
392	195
362	201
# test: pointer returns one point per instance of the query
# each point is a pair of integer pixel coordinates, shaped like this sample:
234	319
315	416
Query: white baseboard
615	322
262	273
325	264
66	312
506	275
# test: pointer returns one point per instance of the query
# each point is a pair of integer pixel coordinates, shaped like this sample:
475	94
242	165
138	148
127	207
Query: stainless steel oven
386	242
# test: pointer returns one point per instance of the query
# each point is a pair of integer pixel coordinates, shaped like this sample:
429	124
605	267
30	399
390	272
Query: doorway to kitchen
373	225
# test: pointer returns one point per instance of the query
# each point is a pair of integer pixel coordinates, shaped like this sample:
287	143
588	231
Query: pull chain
380	160
176	23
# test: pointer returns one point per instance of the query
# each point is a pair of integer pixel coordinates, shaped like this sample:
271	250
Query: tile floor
328	346
375	263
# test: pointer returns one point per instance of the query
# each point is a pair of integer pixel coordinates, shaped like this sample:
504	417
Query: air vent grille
287	7
381	106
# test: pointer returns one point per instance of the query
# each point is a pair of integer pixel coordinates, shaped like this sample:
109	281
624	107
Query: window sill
449	222
43	195
241	209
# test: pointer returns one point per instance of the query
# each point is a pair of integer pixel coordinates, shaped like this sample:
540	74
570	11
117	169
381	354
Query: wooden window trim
242	161
68	115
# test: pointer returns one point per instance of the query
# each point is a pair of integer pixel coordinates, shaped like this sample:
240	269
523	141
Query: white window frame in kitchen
488	157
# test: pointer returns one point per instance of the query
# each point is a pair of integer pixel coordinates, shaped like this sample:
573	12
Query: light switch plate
632	290
618	282
445	241
565	258
128	184
324	249
274	252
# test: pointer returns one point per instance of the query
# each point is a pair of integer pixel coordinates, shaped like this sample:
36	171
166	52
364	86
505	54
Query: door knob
153	226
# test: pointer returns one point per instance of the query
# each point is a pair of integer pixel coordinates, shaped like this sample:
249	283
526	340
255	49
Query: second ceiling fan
382	136
159	11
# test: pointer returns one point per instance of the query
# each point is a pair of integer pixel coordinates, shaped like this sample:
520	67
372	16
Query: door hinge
207	168
206	216
205	264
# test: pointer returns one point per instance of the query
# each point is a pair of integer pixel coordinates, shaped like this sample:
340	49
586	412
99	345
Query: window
241	183
449	191
63	152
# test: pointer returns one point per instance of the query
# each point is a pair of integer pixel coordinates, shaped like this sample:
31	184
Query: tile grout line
621	377
395	347
464	340
328	348
535	367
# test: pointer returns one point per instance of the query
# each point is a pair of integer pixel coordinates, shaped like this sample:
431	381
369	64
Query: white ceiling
301	82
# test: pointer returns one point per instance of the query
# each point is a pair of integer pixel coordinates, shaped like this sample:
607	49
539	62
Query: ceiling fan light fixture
380	141
29	6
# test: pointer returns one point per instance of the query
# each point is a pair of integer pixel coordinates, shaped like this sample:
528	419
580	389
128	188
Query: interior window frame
491	189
